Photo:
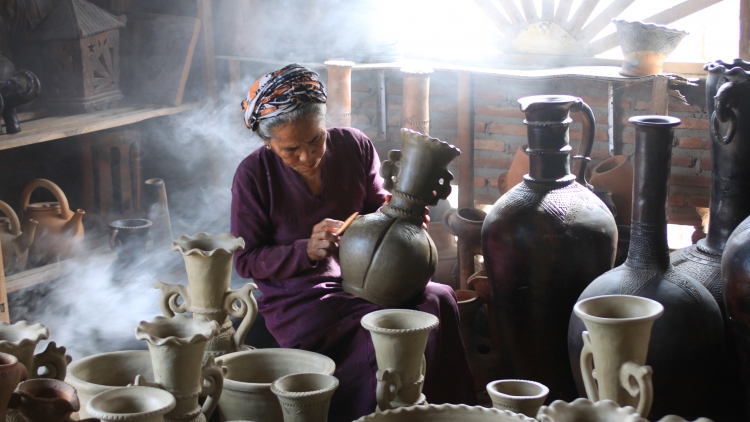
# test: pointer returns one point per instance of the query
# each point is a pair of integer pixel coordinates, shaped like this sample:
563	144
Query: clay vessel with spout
59	234
14	243
208	260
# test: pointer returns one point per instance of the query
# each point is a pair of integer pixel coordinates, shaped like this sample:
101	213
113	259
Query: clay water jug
59	233
305	397
208	261
618	330
177	346
392	240
14	244
543	241
690	333
399	337
615	174
11	373
130	404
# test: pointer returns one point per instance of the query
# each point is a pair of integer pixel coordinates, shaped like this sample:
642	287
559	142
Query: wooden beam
602	20
744	30
208	66
529	11
660	96
496	16
563	11
465	168
548	10
512	11
581	16
4	311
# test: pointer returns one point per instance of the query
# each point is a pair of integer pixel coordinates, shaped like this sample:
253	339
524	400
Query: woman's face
301	144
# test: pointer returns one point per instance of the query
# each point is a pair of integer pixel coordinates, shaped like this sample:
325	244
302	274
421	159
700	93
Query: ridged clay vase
177	346
616	343
615	174
247	384
131	404
399	337
645	46
690	334
96	374
14	243
12	372
584	410
445	413
305	397
392	240
519	396
208	261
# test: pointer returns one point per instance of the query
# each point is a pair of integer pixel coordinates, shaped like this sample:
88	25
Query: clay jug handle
587	141
140	381
247	310
15	225
114	244
636	379
54	360
389	383
587	369
214	374
170	293
448	217
65	211
726	98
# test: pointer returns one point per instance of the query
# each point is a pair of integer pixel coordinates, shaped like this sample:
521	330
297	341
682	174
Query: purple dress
303	303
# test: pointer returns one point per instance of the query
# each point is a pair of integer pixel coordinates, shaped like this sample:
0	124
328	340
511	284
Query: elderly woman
288	198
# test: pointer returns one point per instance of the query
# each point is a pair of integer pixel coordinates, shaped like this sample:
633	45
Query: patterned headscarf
280	92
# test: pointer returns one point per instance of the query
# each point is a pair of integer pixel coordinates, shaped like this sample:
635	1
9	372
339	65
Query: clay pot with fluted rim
445	413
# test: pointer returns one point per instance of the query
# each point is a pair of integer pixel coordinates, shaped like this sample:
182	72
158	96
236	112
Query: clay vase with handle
615	174
15	244
130	404
305	397
400	338
690	333
11	373
392	240
59	233
208	261
177	346
543	242
616	342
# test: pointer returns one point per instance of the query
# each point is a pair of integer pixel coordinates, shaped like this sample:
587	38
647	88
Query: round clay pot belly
247	384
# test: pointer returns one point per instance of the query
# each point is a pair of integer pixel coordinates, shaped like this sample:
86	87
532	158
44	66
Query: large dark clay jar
543	241
687	341
386	257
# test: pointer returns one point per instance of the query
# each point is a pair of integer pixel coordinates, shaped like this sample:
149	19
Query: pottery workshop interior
375	210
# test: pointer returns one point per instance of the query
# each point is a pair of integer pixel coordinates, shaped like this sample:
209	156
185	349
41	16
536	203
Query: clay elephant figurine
17	87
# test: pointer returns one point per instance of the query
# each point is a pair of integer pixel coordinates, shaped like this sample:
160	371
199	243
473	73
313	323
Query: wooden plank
529	11
512	11
602	20
548	10
563	11
580	17
660	96
208	66
496	16
465	167
744	46
611	118
4	311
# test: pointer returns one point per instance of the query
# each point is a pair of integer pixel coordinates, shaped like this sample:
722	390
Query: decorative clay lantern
79	45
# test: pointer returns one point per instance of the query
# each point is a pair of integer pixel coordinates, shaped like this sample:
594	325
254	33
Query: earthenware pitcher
543	241
14	244
45	400
400	338
392	240
177	346
208	261
129	404
11	373
690	333
616	342
305	397
59	233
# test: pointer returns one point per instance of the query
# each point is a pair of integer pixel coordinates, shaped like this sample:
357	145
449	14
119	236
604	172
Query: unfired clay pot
615	174
399	337
519	396
130	404
247	384
11	373
645	46
616	343
584	410
96	374
305	397
45	400
177	346
59	233
14	244
445	413
208	261
20	340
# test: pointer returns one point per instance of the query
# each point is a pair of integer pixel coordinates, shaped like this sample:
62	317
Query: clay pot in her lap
615	174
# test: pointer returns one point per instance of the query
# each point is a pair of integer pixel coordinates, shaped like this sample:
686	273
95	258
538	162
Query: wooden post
339	104
208	67
660	96
465	168
416	113
745	29
4	311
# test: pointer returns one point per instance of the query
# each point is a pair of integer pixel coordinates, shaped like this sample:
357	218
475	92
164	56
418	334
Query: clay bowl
247	384
519	396
96	374
144	404
445	413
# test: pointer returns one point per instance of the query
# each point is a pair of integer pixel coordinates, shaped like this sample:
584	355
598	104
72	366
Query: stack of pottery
143	404
208	261
14	243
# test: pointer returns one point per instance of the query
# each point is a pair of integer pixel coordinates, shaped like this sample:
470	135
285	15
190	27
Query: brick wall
499	128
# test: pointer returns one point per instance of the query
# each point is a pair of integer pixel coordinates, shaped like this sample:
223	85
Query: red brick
625	104
691	143
676	200
706	164
599	135
518	130
494	180
361	119
480	181
490	95
686	180
489	145
491	110
692	123
643	105
394	89
681	161
598	101
445	124
678	106
698	201
599	154
480	127
492	162
603	119
628	137
444	107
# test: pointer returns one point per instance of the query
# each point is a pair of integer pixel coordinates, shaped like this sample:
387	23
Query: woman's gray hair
267	126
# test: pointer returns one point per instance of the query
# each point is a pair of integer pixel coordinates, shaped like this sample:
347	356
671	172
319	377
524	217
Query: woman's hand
322	241
425	213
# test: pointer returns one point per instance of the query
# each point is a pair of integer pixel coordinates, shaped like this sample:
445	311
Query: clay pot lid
43	206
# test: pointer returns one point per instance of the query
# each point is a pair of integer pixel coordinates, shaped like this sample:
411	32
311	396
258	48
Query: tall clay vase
392	240
616	343
11	373
157	210
177	346
130	404
339	102
400	338
543	242
305	397
615	174
690	334
208	260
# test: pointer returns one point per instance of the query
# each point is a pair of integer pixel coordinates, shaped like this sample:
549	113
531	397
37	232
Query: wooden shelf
50	128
